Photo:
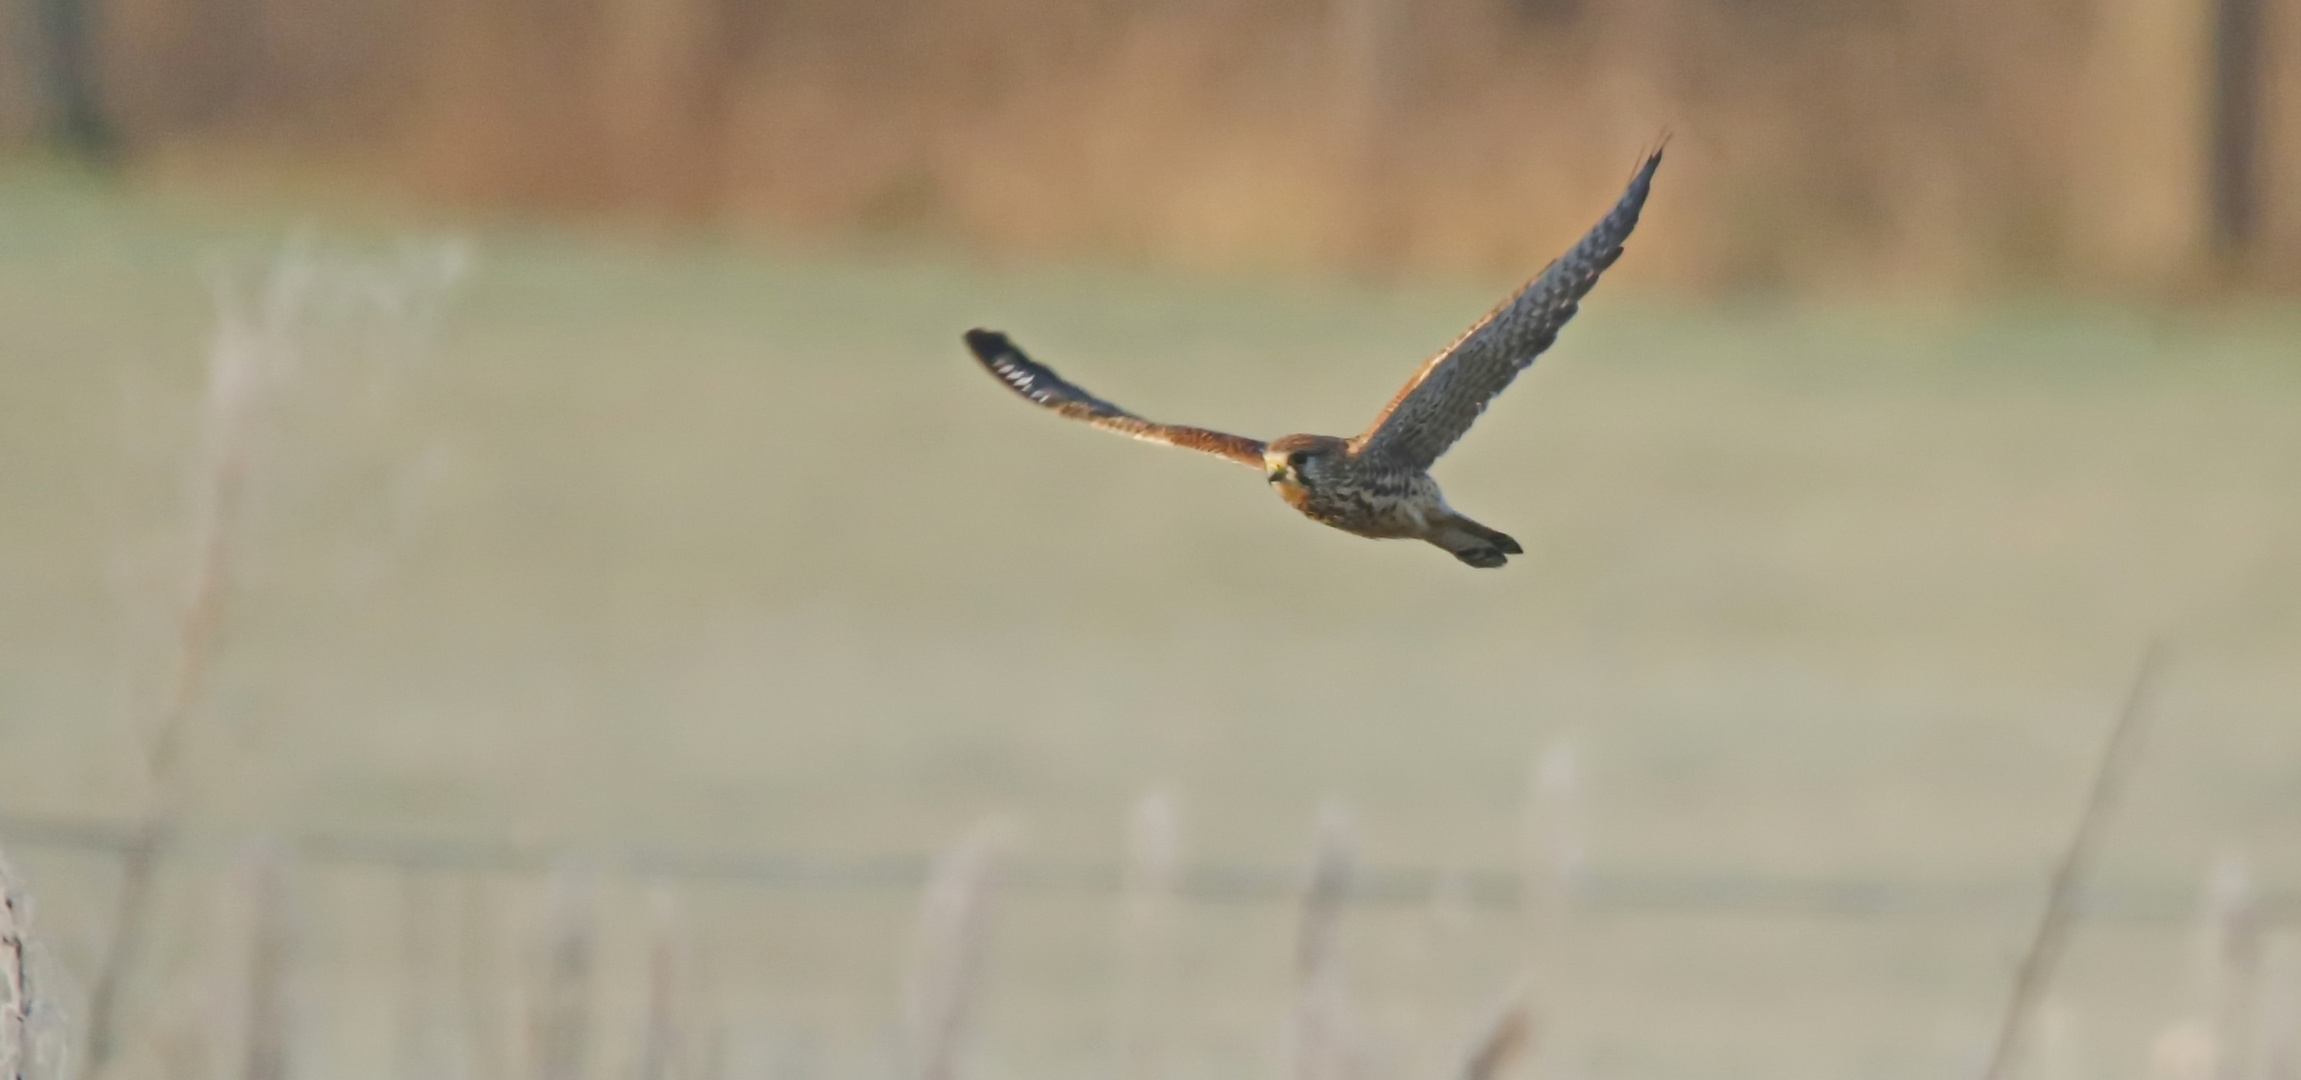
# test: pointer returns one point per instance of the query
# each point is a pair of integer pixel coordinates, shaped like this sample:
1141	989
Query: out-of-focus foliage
1864	145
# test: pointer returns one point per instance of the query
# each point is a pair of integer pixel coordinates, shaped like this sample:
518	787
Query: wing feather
1444	398
1041	385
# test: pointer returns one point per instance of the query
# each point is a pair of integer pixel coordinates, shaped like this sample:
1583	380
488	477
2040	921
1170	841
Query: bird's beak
1276	475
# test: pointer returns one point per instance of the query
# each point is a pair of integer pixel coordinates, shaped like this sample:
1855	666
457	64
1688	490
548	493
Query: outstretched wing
1039	383
1446	396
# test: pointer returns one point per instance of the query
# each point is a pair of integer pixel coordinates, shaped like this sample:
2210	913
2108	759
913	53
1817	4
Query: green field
702	546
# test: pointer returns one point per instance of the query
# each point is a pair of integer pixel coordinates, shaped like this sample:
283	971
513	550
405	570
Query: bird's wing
1040	384
1443	399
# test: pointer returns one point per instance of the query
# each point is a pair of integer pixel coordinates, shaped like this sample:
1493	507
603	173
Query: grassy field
690	545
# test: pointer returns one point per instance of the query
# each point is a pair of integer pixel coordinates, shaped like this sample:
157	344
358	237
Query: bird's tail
1475	544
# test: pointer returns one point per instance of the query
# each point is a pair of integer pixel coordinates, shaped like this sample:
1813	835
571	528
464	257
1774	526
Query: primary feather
1446	396
1039	383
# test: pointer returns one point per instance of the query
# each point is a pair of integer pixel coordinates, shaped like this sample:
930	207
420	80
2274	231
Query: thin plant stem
195	646
1322	1043
2045	948
954	932
1501	1041
16	1008
271	963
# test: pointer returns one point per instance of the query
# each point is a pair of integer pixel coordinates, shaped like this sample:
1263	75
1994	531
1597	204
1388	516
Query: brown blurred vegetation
1844	145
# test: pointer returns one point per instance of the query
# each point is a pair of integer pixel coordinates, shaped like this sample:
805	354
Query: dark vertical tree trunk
75	122
2236	134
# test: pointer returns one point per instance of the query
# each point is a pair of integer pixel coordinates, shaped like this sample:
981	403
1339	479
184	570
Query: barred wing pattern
1041	385
1443	399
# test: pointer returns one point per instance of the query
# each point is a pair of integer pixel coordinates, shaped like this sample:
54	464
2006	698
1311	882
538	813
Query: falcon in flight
1378	484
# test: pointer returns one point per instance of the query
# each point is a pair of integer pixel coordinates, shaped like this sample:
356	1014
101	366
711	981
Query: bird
1377	484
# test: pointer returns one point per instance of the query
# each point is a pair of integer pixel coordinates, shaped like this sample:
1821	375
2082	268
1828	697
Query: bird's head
1301	461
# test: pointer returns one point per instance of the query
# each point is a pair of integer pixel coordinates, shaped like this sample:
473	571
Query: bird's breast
1383	504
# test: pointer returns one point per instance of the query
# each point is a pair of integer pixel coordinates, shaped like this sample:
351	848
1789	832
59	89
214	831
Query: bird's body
1356	495
1375	498
1378	484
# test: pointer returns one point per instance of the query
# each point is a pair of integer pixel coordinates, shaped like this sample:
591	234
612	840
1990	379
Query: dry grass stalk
954	936
1324	1046
1146	935
560	1024
2279	1019
17	1003
664	1044
483	990
2036	973
1556	850
1556	857
427	1011
264	333
1501	1040
269	1025
2229	965
247	354
1425	959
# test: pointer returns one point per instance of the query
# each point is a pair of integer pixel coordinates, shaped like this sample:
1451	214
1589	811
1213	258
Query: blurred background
1858	147
509	572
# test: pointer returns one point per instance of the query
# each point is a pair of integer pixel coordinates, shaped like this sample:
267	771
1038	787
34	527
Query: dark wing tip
988	344
1654	156
1000	356
1023	375
1644	181
1603	245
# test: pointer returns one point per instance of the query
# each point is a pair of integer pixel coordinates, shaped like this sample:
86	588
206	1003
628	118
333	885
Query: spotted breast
1373	502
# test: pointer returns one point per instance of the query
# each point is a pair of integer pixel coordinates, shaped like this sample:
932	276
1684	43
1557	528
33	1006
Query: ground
702	546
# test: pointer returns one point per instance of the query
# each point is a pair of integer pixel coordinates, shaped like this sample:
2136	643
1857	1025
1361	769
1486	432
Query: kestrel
1378	484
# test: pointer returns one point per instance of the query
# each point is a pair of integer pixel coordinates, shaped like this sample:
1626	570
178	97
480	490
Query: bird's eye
1294	460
